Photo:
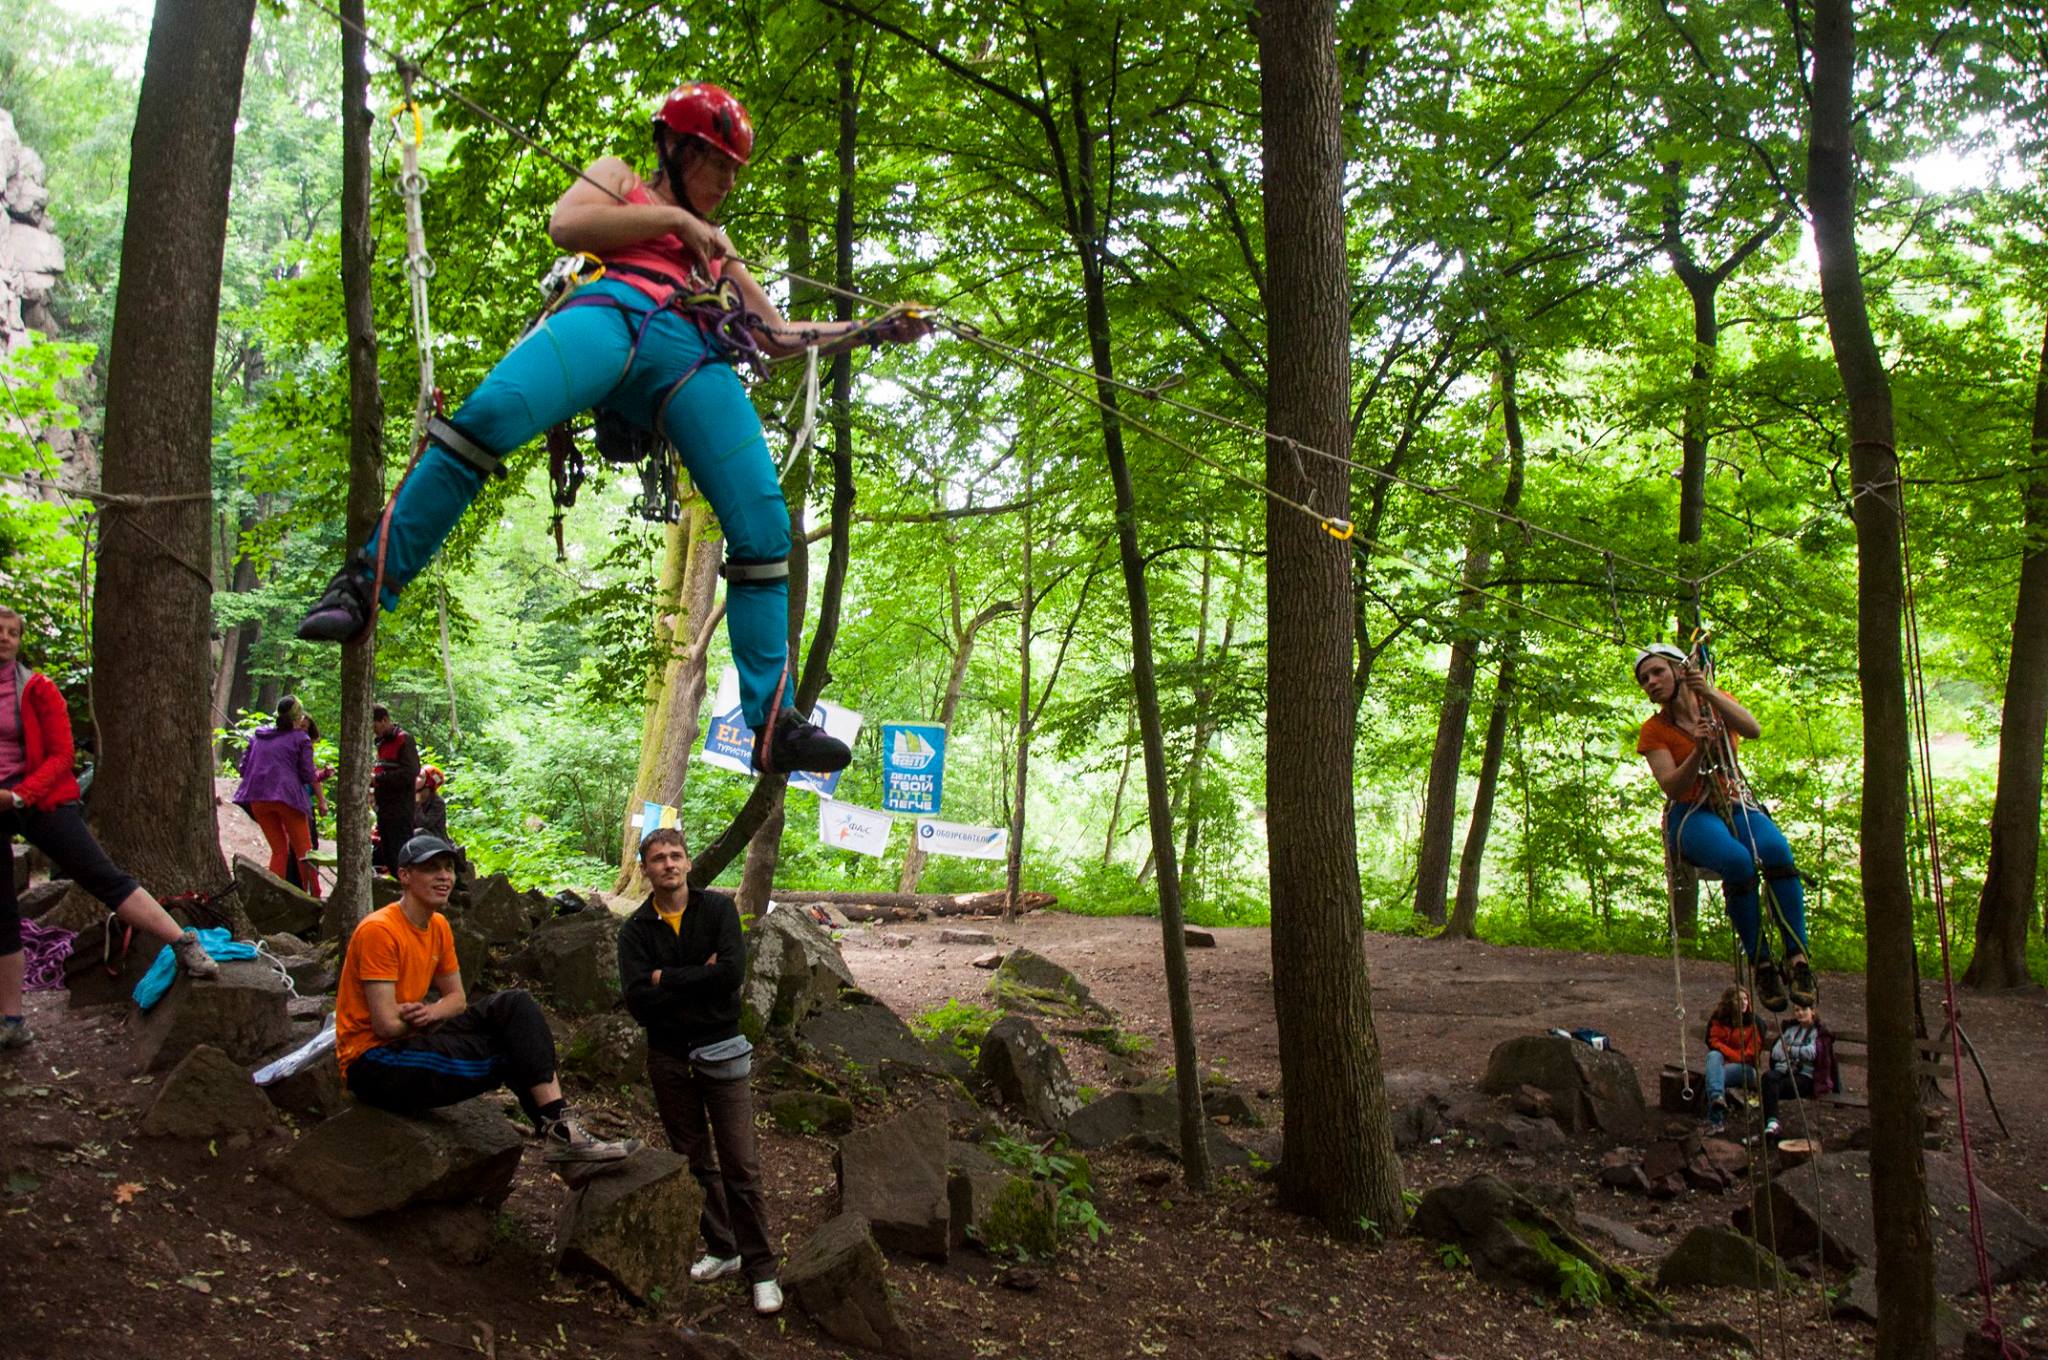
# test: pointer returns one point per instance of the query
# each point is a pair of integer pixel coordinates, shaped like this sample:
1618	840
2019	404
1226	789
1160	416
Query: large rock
836	1278
1825	1205
1718	1258
472	952
208	1095
502	913
366	1161
794	970
1589	1088
810	1112
1517	1235
607	1050
974	1180
635	1226
1028	1073
1035	985
575	959
313	1092
1856	1301
868	1036
241	1013
1123	1115
273	904
894	1176
37	899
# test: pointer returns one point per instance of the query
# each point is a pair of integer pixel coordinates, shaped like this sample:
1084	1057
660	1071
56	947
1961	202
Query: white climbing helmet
1663	649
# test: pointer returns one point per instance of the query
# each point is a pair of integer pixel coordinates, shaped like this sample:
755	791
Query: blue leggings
1700	837
578	359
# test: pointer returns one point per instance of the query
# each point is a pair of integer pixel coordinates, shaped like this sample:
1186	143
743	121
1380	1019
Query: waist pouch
727	1060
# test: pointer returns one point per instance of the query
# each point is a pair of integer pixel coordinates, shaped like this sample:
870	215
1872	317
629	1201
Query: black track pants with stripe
501	1040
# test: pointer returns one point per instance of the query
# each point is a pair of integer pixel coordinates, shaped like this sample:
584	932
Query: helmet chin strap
671	158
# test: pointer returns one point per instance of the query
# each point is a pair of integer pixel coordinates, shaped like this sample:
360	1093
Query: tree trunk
349	901
1898	1174
2006	907
1447	756
1464	923
1185	792
1337	1162
1013	869
231	678
152	647
1194	1125
1123	780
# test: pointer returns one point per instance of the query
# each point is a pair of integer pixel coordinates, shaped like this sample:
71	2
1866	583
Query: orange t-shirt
387	948
1662	734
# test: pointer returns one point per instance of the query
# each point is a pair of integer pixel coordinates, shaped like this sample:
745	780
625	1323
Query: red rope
1992	1329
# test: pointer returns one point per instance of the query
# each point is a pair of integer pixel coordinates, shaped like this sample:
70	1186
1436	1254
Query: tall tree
349	900
152	658
2005	910
1337	1163
1898	1173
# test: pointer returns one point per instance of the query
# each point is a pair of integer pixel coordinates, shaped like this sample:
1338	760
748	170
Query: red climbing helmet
704	110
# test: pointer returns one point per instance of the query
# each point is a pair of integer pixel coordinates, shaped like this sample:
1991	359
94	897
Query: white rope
807	433
419	265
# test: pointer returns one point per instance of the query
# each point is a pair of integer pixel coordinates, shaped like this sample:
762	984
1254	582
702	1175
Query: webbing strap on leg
457	441
744	573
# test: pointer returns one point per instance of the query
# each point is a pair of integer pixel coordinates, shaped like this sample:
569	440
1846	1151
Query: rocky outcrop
242	1013
894	1176
366	1161
1589	1088
794	971
575	960
31	260
1718	1258
1034	985
274	905
837	1279
1028	1073
208	1095
634	1225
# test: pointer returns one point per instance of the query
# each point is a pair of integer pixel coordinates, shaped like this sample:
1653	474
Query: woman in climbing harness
1711	821
653	339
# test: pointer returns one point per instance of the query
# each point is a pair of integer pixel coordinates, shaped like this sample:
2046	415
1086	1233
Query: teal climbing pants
583	357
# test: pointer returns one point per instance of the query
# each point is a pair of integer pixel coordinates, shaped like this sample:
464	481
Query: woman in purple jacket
276	771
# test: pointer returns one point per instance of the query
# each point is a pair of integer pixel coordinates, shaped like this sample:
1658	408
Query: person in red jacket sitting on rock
39	802
1734	1043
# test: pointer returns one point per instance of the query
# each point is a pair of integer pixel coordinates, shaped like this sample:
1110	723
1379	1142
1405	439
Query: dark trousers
394	829
62	835
712	1124
501	1040
1778	1085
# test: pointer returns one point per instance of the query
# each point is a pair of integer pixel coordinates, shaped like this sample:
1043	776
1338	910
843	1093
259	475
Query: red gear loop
707	111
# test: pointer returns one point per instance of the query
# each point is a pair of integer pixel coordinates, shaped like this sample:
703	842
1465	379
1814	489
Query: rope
1991	1327
419	265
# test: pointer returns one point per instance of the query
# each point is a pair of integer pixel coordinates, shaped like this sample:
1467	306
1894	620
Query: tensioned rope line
968	331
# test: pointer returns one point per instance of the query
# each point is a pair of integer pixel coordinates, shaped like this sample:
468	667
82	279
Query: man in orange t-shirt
400	1052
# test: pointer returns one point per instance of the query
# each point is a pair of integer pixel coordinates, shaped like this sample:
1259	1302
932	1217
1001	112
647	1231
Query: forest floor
115	1245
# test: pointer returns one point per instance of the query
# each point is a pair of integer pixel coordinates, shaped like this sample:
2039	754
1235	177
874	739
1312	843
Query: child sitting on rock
400	1052
1802	1064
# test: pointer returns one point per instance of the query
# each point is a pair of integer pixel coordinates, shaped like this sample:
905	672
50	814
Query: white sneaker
767	1297
713	1267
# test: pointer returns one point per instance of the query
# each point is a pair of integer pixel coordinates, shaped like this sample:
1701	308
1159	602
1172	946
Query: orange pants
291	839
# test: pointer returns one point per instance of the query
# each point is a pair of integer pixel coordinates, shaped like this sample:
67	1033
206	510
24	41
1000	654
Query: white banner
843	826
966	842
729	743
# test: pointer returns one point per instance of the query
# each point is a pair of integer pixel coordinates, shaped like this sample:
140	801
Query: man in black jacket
391	786
681	961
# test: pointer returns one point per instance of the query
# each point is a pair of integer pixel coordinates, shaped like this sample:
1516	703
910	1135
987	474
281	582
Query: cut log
891	906
1797	1152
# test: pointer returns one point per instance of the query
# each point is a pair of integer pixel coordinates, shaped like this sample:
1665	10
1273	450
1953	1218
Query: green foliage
1452	1256
1045	1209
961	1025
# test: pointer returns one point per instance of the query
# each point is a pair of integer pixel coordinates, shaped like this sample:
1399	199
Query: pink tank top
679	267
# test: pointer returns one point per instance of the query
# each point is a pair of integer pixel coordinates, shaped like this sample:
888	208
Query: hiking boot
15	1035
767	1297
711	1266
1717	1117
569	1141
795	744
344	608
1770	987
1800	987
193	958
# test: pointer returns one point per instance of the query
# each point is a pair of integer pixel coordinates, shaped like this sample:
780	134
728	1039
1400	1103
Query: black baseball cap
422	848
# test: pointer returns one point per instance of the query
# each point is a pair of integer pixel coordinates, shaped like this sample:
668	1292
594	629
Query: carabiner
419	124
1339	529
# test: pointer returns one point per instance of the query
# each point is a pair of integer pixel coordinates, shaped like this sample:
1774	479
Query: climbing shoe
569	1141
1800	986
343	609
793	743
1770	987
193	958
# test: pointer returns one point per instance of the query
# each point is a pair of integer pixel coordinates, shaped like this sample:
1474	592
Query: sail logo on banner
964	842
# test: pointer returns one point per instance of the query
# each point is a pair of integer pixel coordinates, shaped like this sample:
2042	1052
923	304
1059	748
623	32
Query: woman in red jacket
1735	1042
39	802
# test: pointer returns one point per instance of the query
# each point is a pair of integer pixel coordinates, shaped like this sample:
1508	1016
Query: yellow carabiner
419	124
1339	529
580	279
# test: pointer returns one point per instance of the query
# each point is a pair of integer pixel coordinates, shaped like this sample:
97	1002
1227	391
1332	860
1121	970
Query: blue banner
913	767
729	742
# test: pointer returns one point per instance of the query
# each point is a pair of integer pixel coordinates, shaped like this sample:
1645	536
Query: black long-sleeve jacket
696	1003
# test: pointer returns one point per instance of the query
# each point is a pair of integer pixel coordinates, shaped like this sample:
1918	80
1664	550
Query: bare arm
392	1019
1734	716
595	217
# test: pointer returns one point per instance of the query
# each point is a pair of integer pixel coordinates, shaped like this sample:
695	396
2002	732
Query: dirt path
109	1237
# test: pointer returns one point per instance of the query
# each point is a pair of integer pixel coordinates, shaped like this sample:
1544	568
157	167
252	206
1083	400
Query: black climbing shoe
1800	986
794	744
1770	987
343	609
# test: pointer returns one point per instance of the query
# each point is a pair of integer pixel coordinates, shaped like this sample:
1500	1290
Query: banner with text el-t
729	742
